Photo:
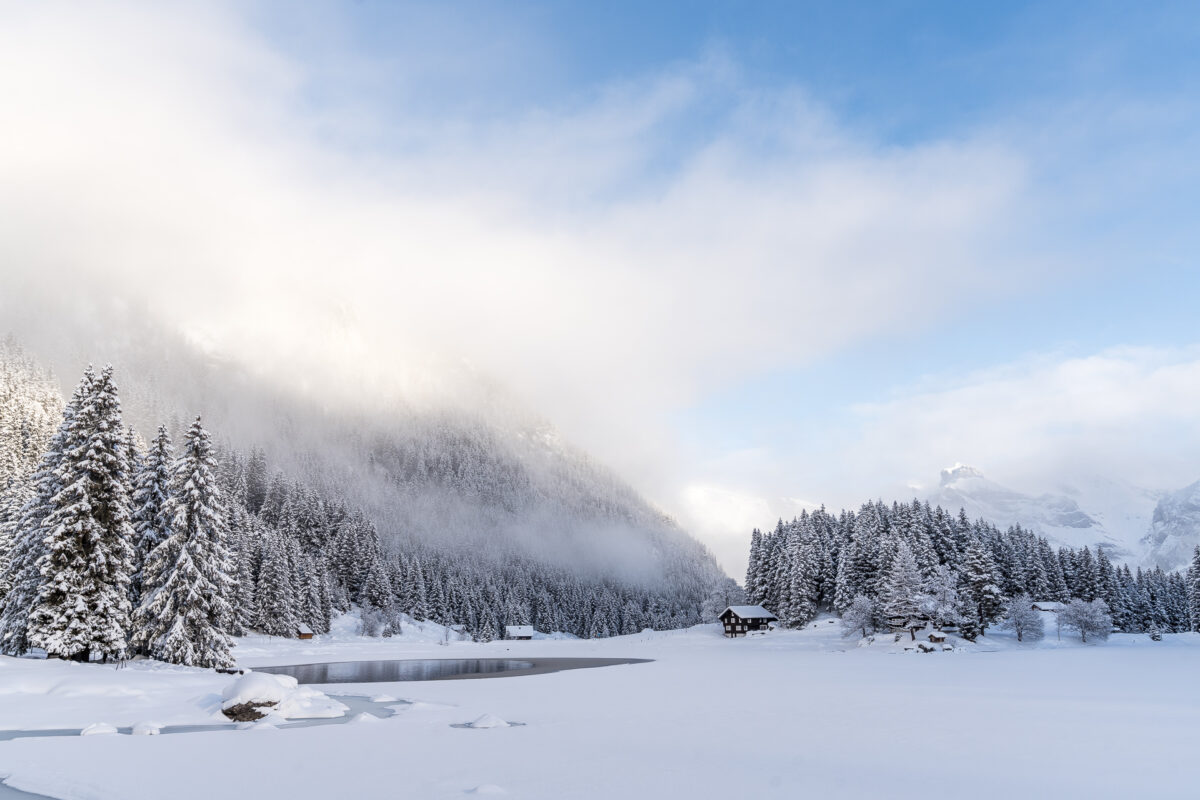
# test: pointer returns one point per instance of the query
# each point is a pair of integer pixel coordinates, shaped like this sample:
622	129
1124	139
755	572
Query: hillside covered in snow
1144	527
479	519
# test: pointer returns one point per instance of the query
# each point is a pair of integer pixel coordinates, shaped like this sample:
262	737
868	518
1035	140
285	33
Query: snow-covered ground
787	714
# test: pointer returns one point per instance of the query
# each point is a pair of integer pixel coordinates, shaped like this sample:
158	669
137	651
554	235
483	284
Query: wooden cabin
303	631
740	620
518	631
937	637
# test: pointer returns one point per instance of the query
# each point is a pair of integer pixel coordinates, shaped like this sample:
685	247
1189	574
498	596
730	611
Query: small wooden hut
518	631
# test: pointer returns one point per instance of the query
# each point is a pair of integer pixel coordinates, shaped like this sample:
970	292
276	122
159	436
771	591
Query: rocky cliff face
1174	529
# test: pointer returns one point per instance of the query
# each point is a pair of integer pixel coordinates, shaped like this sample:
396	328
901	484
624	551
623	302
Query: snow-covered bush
1089	619
1021	619
860	616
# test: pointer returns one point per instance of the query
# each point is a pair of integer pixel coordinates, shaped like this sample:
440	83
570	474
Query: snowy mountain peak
959	472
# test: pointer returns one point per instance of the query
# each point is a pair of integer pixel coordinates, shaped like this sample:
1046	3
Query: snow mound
146	729
384	698
488	721
285	697
364	717
97	728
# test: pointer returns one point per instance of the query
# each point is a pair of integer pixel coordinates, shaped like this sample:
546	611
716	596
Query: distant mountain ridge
1092	513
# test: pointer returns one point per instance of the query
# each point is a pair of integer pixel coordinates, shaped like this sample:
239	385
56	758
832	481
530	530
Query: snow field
790	713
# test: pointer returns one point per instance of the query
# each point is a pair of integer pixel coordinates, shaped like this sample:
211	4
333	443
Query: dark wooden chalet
740	620
303	631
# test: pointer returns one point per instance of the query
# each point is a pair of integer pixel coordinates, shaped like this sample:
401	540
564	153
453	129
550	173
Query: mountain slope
1095	513
1174	529
475	475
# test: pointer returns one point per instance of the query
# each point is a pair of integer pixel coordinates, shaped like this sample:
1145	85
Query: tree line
908	560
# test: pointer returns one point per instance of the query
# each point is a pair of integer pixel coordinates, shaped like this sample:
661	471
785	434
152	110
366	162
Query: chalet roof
518	630
750	612
302	628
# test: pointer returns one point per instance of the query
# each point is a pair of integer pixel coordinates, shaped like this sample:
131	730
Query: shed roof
1049	605
518	630
302	628
750	612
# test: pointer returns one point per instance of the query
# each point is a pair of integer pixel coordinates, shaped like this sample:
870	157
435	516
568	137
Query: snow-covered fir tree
1193	590
979	582
22	576
185	610
939	599
902	591
151	489
277	601
82	605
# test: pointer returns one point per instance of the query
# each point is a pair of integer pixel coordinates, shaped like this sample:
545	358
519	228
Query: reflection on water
427	669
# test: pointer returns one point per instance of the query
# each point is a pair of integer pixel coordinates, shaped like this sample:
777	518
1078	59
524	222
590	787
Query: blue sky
749	254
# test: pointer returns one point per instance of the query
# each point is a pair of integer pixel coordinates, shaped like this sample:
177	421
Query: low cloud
607	268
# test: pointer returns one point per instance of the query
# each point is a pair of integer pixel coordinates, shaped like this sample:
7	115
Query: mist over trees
913	561
110	547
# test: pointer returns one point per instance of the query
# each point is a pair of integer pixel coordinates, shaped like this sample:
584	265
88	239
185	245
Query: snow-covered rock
488	721
98	729
146	729
281	695
384	698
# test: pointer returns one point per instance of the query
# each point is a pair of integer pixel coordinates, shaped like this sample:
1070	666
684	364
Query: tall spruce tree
902	590
22	575
979	579
275	592
152	486
1193	588
185	610
82	605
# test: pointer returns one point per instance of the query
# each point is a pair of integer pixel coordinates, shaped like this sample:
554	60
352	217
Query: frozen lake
436	669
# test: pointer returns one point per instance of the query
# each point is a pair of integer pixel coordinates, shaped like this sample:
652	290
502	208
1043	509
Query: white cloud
1122	412
607	267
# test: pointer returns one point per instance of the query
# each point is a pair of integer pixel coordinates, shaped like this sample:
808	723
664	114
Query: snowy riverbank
819	715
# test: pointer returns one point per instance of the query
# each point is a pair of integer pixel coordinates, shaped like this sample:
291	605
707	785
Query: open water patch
436	669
